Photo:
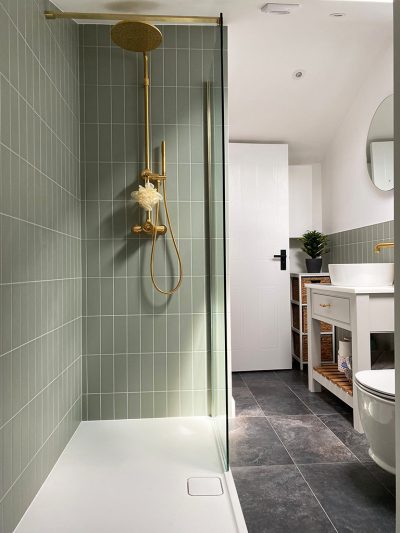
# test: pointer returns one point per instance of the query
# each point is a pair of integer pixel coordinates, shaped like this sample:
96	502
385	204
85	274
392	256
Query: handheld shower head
136	36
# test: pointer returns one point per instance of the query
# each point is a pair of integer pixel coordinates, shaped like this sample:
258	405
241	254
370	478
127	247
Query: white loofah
147	196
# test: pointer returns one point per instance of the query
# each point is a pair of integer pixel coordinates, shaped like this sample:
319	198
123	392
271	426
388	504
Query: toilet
376	402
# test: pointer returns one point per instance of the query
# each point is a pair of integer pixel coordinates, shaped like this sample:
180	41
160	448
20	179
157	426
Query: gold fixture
325	305
378	247
138	36
53	15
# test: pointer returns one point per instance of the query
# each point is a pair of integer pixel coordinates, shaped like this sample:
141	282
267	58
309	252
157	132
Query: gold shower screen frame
52	15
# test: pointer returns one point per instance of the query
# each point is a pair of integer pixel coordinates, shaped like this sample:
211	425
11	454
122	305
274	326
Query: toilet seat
379	383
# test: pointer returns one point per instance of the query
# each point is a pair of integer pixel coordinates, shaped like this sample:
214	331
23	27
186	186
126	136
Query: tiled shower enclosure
83	335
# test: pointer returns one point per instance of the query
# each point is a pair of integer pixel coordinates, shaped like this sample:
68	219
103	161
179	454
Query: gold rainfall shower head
136	36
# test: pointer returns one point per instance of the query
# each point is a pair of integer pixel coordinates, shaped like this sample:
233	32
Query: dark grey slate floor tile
320	403
308	440
275	398
385	478
237	380
258	378
276	499
253	442
245	404
342	426
351	496
298	377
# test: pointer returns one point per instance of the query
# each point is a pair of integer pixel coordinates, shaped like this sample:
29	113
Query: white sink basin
362	275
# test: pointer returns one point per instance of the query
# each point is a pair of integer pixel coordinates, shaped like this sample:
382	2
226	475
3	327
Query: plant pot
314	265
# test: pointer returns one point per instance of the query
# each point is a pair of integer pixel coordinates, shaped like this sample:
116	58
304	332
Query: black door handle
282	256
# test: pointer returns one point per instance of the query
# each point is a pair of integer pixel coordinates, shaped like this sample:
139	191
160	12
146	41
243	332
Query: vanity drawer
331	307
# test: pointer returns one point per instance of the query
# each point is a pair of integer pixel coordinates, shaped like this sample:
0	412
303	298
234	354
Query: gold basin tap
378	247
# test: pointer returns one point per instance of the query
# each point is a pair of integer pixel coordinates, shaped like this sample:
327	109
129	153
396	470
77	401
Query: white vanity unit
360	310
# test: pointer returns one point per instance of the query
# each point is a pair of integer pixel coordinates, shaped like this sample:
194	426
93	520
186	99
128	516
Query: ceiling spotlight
279	9
337	15
298	74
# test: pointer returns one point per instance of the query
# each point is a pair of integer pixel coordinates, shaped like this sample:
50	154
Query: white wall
349	198
305	209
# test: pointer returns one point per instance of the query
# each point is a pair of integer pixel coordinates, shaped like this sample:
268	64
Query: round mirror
380	145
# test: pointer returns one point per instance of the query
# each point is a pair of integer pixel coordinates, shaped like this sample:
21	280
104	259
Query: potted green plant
315	245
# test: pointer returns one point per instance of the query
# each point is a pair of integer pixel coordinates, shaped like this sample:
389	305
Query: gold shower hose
154	238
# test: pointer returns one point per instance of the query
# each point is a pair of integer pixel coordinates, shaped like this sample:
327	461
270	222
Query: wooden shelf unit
298	302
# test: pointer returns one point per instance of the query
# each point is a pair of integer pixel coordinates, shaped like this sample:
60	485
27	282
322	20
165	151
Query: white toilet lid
378	381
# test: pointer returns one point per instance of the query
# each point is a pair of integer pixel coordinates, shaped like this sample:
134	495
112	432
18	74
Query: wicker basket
326	346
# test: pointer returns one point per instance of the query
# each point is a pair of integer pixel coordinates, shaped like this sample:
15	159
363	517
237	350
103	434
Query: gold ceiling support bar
53	15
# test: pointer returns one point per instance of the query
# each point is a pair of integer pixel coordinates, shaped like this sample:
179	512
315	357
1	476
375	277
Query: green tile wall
145	355
40	261
357	245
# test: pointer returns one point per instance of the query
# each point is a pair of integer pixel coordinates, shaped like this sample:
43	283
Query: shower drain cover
204	486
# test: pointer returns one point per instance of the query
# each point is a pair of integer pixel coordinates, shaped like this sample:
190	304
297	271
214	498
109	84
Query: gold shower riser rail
53	15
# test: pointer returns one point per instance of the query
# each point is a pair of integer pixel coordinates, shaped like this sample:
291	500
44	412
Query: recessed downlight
337	15
298	74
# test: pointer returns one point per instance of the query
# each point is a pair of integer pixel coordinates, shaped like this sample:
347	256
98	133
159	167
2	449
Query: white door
258	230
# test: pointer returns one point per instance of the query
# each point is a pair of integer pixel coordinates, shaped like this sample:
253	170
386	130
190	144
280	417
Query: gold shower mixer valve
152	176
149	228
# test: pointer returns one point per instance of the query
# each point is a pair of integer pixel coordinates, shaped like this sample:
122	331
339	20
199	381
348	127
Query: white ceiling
265	102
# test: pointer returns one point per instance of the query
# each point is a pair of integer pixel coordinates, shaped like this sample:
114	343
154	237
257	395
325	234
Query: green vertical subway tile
186	333
91	104
121	406
118	142
197	105
182	36
103	66
200	407
186	403
156	67
196	37
170	70
160	404
93	335
131	68
106	258
103	35
91	133
157	106
105	142
131	143
160	333
117	178
147	405
210	38
199	257
107	406
93	296
200	365
106	335
169	37
184	144
90	35
147	334
134	337
197	144
93	370
120	334
120	296
186	372
172	369
104	181
170	108
107	374
105	222
104	104
183	72
160	372
173	404
147	372
196	68
172	333
134	405
106	291
133	372
184	182
120	373
199	332
118	104
131	105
